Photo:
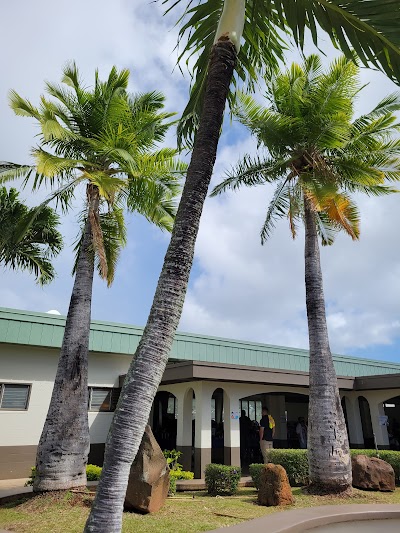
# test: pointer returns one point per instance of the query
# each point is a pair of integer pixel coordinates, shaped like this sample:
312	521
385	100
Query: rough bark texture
148	364
328	445
64	443
274	486
148	483
371	473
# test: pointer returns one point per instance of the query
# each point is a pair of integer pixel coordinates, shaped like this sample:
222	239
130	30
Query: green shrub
93	472
172	486
222	479
295	462
255	473
172	457
29	483
181	474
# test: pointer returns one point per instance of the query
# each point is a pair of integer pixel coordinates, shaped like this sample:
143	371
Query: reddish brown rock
371	473
149	477
274	486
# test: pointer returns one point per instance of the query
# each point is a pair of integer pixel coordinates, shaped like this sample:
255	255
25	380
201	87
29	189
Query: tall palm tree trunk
328	445
64	444
150	359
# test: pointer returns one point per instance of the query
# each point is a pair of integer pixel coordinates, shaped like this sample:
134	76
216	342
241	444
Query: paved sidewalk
9	487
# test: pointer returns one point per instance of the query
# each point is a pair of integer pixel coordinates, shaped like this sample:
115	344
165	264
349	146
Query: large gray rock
149	477
371	473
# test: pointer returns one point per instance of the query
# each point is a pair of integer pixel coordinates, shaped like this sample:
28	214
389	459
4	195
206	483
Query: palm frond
252	171
29	238
368	27
261	48
278	208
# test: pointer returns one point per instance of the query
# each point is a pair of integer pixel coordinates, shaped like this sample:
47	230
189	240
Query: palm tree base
45	484
323	489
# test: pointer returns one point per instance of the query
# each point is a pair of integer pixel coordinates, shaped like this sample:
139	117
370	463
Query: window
14	397
103	399
172	406
252	408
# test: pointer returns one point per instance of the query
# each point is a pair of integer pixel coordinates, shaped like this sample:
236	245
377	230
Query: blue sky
237	288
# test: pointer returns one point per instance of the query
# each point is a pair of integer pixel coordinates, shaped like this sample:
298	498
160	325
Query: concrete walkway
9	487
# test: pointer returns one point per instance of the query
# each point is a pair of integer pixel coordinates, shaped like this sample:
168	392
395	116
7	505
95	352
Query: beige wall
37	367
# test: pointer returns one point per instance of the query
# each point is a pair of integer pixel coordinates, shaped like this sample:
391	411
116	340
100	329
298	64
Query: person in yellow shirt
267	432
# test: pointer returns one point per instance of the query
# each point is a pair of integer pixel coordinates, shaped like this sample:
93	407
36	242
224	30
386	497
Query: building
207	383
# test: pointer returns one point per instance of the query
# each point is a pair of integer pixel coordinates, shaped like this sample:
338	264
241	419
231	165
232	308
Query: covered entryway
287	408
392	411
164	419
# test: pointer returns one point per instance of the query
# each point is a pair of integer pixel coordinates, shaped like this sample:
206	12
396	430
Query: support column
231	429
202	443
184	428
356	436
381	434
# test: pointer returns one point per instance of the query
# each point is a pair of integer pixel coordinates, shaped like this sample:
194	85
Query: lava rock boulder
371	473
149	477
274	488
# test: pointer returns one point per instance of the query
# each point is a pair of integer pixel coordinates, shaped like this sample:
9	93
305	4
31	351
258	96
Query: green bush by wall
92	474
295	462
172	486
181	474
222	480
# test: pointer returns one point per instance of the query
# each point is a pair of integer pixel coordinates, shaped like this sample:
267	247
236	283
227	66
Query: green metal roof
43	329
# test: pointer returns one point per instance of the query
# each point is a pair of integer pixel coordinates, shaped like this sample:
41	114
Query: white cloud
244	290
238	288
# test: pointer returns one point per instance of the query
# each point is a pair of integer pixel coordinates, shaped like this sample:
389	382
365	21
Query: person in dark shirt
245	432
267	432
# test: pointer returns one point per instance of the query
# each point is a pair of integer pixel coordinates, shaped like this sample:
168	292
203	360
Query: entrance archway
392	411
366	422
217	426
164	423
286	409
344	408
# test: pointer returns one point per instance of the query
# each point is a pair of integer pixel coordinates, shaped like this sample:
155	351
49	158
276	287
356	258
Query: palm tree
29	238
317	157
215	29
105	140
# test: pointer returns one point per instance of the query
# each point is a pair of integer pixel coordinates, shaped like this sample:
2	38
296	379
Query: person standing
301	430
267	432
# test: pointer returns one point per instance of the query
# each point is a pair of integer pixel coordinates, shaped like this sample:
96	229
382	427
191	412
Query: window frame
111	391
28	397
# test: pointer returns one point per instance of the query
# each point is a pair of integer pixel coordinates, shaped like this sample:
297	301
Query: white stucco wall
37	367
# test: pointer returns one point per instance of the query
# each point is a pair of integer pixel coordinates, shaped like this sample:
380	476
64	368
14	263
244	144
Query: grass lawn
185	513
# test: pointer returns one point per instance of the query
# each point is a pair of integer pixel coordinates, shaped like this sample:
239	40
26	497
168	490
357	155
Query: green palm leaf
29	238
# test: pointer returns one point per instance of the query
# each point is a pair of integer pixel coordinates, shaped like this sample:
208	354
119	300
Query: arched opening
344	408
286	408
392	411
217	426
165	414
366	423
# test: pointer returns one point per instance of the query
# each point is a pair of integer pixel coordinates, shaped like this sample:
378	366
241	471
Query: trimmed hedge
295	462
181	474
222	480
93	473
172	486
